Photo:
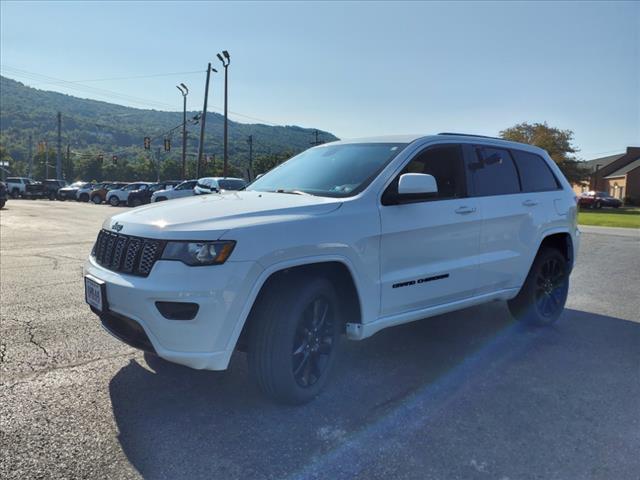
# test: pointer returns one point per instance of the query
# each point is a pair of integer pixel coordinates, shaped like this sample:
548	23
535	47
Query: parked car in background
16	186
121	195
598	200
83	194
99	195
215	184
44	189
184	189
143	196
4	194
69	192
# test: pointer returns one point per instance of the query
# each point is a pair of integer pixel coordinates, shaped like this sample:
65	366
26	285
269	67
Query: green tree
559	144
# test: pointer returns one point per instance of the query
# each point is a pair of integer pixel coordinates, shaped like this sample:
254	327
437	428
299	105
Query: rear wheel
52	195
136	202
544	293
15	193
96	199
114	201
293	339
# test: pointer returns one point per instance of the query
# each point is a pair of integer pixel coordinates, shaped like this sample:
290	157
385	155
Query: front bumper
205	342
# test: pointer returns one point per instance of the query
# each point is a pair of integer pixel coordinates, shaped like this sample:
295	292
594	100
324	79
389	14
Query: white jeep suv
348	238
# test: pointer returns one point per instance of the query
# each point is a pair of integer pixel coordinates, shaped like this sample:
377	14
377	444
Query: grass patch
609	217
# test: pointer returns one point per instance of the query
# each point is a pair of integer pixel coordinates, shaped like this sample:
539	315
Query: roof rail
469	135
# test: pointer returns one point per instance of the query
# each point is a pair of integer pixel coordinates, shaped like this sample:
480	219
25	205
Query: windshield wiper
294	192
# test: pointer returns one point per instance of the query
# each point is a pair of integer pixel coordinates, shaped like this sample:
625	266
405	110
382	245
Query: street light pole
184	91
225	58
203	120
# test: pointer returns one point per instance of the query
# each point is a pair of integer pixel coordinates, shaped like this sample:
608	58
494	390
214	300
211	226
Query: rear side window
535	174
494	172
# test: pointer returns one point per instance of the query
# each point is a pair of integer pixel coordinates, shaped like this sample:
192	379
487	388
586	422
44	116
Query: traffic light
167	144
115	159
147	143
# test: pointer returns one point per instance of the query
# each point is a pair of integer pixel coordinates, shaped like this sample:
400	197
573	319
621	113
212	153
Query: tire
96	199
52	195
542	298
15	193
136	202
84	197
2	204
293	339
597	205
114	201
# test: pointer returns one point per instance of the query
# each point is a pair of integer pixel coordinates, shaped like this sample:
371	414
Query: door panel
428	253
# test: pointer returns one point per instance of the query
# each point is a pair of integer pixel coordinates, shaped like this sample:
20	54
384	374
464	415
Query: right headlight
199	253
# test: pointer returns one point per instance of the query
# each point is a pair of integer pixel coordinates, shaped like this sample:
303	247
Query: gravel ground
464	395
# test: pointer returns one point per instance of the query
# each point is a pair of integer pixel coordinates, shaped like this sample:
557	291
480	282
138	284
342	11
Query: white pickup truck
344	239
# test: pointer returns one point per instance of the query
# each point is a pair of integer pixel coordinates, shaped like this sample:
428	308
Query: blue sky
355	69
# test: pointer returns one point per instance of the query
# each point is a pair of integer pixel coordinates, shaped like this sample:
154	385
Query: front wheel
96	199
544	293
114	201
136	202
293	339
84	197
15	193
52	195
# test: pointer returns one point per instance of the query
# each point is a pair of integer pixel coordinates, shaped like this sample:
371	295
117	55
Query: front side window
333	170
186	185
493	172
535	174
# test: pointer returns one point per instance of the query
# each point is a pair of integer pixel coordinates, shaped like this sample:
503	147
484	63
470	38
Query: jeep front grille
127	254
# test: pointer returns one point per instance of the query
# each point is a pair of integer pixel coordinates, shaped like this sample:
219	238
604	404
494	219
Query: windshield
331	170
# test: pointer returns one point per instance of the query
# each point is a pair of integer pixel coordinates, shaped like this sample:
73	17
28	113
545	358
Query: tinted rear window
535	174
494	173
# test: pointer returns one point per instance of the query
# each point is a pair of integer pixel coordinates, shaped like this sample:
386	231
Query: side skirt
360	331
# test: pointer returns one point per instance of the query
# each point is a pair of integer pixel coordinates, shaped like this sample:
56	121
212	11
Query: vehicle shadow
175	422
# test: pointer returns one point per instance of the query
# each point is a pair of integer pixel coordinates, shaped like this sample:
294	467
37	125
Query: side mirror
416	184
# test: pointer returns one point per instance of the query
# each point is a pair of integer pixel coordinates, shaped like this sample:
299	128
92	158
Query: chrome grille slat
123	253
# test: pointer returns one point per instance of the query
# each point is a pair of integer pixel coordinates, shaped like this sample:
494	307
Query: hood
208	217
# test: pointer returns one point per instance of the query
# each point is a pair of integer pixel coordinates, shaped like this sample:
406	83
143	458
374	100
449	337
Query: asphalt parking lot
464	395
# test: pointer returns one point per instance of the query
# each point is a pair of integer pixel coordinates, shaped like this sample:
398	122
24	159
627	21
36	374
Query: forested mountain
93	127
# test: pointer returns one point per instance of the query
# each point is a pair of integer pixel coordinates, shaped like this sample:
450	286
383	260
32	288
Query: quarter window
494	173
535	174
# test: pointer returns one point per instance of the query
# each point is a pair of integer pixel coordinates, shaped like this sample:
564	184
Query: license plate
95	293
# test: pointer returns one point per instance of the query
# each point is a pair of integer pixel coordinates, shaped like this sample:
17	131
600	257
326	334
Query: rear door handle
529	203
465	210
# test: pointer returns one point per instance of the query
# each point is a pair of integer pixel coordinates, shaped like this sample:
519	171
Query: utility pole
158	164
66	170
30	155
59	150
203	120
46	160
317	141
184	91
250	141
225	58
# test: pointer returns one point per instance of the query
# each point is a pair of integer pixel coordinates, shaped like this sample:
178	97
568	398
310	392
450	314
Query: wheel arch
560	240
337	269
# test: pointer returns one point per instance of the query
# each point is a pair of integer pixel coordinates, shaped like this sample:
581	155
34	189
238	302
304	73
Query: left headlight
199	253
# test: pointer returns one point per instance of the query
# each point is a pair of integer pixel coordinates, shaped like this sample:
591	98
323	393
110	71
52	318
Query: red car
598	200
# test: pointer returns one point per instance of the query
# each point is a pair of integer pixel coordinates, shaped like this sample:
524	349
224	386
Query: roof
453	137
624	170
602	161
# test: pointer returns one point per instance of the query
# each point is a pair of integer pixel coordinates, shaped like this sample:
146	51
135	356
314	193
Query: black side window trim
387	200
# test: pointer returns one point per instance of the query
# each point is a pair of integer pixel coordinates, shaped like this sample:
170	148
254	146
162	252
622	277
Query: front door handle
529	203
465	210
